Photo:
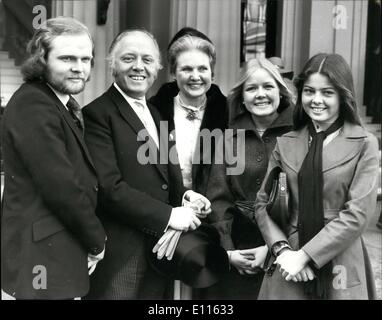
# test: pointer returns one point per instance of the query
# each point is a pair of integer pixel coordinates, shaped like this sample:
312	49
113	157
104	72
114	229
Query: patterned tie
75	111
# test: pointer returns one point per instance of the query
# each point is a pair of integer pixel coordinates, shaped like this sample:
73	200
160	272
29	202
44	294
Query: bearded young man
50	235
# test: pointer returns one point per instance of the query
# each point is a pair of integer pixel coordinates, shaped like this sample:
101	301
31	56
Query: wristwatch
279	246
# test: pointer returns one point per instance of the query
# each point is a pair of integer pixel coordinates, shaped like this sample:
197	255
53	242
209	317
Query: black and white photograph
190	154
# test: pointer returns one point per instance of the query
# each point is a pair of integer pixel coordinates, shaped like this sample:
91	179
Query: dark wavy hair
235	97
339	74
34	67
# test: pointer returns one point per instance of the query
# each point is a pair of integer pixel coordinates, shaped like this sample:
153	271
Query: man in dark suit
138	200
50	234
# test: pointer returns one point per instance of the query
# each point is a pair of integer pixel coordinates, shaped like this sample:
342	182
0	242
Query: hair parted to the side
187	43
114	46
339	74
34	67
235	97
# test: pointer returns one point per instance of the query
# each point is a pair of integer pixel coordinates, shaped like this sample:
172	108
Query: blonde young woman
259	103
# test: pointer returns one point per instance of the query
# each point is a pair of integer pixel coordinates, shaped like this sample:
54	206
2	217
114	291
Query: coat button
267	140
95	188
164	186
258	181
259	158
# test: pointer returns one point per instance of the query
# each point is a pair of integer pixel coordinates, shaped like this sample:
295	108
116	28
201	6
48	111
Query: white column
220	21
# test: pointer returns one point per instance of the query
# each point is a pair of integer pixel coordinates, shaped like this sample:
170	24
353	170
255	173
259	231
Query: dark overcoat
237	231
48	222
135	199
215	117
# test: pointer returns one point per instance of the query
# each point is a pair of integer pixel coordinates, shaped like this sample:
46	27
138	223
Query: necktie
75	111
148	122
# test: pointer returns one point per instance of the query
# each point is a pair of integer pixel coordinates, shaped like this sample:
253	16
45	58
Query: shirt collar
63	97
129	99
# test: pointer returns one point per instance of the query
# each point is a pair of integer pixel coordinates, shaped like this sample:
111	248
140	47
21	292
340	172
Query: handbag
277	207
278	203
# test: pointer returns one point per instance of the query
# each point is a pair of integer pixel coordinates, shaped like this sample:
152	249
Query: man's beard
65	86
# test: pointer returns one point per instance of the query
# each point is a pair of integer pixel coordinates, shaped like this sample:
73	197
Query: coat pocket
46	227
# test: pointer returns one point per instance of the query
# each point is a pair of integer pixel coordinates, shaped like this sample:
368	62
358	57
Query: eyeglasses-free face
320	100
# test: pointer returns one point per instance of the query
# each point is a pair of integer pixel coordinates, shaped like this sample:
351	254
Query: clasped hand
248	261
293	265
195	207
185	218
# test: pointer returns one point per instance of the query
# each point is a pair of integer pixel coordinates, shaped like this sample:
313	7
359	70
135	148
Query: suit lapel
125	110
294	146
68	119
135	123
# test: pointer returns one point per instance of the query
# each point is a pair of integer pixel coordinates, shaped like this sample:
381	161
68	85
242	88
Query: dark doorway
373	72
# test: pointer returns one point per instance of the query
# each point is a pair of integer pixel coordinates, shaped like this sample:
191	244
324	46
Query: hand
183	219
305	275
240	262
199	203
93	260
291	263
257	255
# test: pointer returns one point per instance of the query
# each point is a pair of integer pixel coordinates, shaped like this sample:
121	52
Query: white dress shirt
186	133
142	111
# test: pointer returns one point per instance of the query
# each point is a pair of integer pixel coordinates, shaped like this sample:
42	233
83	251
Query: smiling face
193	76
320	100
68	63
136	64
261	94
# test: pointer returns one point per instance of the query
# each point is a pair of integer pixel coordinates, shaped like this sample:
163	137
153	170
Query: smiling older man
138	200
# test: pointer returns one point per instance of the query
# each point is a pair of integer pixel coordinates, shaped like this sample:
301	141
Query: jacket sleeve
357	211
126	203
222	200
270	231
40	140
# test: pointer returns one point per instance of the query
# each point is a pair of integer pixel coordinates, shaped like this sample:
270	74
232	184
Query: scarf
311	213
